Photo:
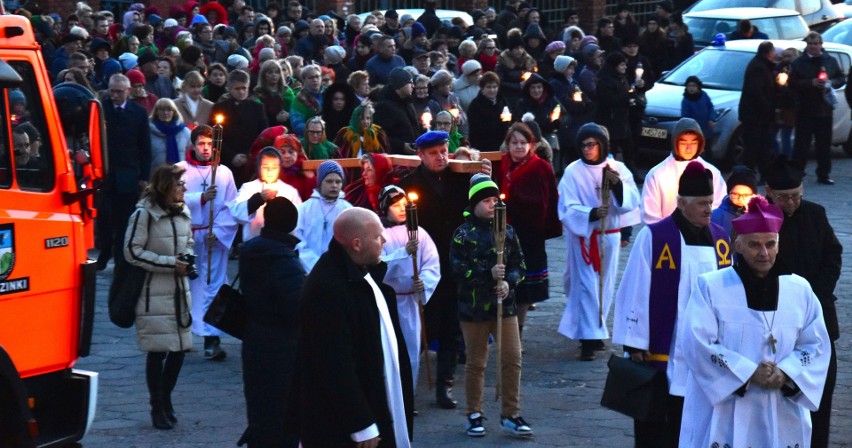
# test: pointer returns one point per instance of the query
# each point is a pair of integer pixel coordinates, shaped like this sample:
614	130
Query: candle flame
555	113
454	112
505	115
823	76
412	197
525	76
782	79
220	118
502	196
426	118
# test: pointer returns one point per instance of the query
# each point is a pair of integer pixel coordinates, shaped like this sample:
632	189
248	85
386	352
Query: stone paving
560	395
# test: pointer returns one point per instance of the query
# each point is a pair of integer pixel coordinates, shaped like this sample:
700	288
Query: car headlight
720	112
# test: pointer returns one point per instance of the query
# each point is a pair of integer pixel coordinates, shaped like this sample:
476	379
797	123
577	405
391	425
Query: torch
412	224
605	195
426	119
499	230
214	162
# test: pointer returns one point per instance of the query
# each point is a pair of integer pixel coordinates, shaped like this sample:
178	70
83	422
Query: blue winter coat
700	110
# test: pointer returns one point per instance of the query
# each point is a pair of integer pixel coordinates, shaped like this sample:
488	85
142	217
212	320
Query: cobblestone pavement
560	395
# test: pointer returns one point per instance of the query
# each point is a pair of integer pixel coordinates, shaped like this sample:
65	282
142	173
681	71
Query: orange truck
47	280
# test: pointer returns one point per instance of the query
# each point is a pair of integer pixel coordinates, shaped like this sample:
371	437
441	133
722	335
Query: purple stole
665	279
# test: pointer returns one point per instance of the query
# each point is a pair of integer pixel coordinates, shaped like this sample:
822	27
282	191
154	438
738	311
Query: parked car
840	33
818	14
446	15
721	70
844	9
776	23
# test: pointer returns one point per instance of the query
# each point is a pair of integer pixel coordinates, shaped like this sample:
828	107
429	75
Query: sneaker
474	425
516	426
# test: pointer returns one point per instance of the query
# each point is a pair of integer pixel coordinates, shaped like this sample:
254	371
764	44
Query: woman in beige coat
159	232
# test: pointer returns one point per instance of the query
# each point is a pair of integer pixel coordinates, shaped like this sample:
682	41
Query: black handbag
124	292
228	310
635	389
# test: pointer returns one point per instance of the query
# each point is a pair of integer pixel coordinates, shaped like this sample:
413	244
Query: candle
555	113
505	116
426	119
782	78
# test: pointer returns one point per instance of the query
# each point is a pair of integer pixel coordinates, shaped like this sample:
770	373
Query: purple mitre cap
761	217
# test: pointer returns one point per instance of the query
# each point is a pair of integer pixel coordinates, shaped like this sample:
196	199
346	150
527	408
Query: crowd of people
345	292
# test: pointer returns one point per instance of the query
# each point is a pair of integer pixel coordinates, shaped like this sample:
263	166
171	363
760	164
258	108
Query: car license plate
654	133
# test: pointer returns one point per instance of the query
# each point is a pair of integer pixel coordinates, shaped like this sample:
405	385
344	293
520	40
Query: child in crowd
317	214
481	283
697	105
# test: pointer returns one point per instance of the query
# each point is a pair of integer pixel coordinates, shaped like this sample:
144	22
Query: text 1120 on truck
51	162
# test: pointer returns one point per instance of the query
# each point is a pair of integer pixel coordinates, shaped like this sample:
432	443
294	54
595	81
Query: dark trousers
442	324
818	129
821	419
161	374
661	434
757	153
113	213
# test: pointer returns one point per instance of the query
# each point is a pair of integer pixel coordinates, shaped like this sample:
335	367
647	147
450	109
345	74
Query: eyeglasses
589	145
795	197
738	196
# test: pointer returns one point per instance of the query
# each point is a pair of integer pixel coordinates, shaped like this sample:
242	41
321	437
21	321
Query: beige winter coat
165	294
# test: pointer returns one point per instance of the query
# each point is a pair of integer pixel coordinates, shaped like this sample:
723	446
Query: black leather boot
171	370
154	378
444	397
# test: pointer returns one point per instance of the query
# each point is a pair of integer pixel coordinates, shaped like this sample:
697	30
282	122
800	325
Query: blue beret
432	138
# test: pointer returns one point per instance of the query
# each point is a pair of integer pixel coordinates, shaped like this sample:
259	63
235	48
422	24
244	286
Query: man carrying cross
756	346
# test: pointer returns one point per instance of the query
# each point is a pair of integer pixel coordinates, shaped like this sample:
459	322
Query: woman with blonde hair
272	91
158	235
169	135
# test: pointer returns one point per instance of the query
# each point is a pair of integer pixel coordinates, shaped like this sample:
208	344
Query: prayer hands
502	290
768	376
498	272
268	193
411	247
209	194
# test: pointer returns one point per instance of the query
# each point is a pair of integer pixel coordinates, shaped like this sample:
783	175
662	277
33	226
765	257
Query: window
29	139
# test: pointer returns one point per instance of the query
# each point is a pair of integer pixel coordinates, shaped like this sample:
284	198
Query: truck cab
47	281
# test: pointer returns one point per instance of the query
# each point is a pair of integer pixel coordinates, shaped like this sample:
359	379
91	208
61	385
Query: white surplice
631	324
579	193
315	227
253	222
659	193
400	277
197	180
725	341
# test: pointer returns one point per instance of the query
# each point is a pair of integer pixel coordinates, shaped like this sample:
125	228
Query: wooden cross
772	342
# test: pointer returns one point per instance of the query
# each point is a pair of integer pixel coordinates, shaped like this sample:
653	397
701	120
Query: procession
396	230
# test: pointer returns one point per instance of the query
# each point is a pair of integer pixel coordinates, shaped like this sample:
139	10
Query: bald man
353	374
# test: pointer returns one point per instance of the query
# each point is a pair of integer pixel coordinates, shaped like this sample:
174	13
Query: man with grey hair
655	289
353	376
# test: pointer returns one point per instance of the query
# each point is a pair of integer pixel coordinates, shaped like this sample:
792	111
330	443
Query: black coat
339	384
272	278
486	130
757	105
128	147
397	117
808	247
810	100
613	104
244	121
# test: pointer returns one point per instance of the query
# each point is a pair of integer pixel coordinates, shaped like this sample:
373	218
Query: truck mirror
97	142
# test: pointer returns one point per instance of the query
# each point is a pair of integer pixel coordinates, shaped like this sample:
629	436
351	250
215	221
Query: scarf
170	131
309	100
488	62
353	134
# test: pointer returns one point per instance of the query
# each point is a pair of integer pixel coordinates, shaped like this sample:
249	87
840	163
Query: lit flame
823	76
578	96
782	79
412	197
426	118
220	118
555	113
505	116
639	72
454	112
525	76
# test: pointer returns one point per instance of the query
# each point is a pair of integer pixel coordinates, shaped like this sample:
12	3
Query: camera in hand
189	259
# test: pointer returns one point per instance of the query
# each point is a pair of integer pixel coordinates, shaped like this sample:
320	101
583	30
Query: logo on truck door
7	262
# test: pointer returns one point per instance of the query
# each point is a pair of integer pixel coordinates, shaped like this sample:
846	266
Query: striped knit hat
481	187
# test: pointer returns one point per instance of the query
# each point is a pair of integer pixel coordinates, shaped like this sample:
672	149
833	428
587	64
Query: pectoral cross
204	185
772	342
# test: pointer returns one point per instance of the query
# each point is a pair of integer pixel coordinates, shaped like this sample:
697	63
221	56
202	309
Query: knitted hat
155	20
170	23
237	61
599	133
198	18
514	41
390	195
529	120
135	77
588	39
280	214
98	44
784	174
391	14
614	59
441	78
417	29
561	63
16	96
399	78
128	60
696	180
266	54
146	56
405	18
761	217
334	54
191	54
329	167
555	47
742	175
471	66
481	187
